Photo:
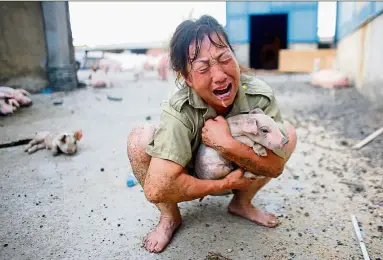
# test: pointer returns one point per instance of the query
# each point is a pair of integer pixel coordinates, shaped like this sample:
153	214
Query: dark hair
188	31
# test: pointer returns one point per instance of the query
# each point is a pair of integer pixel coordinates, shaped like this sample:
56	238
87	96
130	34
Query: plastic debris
58	102
46	91
114	98
359	237
368	139
132	181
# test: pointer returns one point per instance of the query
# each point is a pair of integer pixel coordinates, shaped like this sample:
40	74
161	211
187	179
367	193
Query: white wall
360	56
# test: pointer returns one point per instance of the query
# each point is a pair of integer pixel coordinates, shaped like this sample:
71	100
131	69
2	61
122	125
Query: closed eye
200	66
225	57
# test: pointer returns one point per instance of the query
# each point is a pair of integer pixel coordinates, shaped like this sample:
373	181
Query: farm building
36	49
359	36
258	30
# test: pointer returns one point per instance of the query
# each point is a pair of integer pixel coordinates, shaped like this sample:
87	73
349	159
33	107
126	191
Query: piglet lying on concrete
255	129
8	104
56	142
20	95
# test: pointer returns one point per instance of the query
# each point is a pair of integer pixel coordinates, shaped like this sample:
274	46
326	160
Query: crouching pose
213	89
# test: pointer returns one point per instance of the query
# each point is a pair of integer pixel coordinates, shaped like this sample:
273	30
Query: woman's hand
236	181
216	133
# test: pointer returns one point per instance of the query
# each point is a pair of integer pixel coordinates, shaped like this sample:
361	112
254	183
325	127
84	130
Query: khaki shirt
179	133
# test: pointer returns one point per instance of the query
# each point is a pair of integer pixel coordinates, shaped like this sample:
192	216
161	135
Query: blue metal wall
302	19
351	15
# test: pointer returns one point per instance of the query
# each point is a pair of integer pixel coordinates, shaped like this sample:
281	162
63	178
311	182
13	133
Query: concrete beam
61	70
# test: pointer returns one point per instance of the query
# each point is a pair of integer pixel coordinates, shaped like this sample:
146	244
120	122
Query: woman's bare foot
253	214
159	238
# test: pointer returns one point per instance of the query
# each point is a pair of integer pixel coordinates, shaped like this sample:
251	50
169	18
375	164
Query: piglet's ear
78	135
257	111
63	138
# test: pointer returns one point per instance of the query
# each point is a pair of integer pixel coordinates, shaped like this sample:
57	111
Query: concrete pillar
61	70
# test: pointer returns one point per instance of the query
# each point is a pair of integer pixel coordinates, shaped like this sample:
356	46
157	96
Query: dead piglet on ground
255	130
56	142
100	79
8	104
20	95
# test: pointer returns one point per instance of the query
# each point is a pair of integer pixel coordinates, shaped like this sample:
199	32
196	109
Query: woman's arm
216	134
167	181
271	165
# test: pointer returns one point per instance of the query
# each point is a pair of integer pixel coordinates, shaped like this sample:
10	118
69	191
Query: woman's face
214	74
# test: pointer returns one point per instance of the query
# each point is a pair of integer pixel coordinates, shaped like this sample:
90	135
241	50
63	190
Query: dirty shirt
179	133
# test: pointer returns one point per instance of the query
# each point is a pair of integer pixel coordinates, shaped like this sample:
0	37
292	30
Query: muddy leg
170	219
241	202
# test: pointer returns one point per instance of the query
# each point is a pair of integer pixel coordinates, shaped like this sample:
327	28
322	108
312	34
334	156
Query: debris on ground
46	91
215	256
356	187
344	143
359	237
114	98
132	180
368	139
58	102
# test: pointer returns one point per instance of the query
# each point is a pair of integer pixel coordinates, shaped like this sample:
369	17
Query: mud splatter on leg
170	219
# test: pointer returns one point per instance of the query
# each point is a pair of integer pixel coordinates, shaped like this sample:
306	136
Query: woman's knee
291	131
139	138
292	134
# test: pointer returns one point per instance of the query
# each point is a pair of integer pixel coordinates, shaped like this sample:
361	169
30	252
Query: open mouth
223	93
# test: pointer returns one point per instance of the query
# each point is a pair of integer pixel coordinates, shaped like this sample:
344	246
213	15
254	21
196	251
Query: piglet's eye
264	130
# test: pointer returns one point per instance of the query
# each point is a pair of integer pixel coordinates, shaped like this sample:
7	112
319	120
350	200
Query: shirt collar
195	100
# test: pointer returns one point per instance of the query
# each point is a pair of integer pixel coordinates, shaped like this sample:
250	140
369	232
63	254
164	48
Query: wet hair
194	30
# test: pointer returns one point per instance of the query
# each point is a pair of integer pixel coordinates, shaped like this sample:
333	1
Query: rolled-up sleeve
172	140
